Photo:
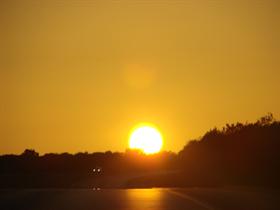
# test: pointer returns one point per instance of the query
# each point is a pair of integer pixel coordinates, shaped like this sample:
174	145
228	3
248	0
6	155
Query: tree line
237	154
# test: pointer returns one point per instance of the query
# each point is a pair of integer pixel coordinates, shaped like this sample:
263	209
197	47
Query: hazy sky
78	75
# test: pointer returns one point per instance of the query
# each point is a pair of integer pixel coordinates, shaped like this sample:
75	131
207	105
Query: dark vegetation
238	154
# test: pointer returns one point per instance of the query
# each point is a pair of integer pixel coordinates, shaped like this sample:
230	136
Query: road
140	199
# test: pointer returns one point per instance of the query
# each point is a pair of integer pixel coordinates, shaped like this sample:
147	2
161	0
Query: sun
146	138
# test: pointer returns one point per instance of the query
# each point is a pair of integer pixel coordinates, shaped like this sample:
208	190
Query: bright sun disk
146	138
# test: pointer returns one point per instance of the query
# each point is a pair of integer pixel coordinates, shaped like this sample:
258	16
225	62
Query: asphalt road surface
140	199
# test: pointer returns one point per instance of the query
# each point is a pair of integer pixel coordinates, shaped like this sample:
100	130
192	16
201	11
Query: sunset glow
146	138
77	75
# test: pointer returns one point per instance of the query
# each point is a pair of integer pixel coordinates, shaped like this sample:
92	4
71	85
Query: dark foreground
140	199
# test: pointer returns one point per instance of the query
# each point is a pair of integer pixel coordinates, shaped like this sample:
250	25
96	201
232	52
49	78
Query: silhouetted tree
30	153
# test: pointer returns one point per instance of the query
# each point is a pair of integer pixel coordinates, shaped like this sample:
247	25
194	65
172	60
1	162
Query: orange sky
78	75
